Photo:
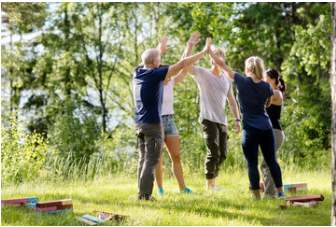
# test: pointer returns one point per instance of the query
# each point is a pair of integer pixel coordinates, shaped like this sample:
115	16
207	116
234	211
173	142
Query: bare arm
220	61
162	46
193	40
233	105
277	98
174	69
234	109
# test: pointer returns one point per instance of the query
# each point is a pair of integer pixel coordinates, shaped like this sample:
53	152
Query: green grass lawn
233	206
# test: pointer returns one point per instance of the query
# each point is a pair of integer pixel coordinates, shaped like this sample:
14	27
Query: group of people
260	101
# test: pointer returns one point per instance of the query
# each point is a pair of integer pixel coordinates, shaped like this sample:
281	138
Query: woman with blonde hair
254	95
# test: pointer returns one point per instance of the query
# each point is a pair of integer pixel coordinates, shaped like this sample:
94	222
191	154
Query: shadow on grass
264	212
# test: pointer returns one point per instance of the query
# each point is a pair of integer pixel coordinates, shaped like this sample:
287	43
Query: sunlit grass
232	206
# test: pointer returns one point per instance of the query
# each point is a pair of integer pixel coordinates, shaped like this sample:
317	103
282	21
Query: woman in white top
171	136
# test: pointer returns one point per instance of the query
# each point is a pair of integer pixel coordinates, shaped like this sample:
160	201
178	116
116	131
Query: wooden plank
54	203
104	215
305	198
295	187
46	209
306	204
85	221
19	201
92	218
59	211
14	201
66	206
53	208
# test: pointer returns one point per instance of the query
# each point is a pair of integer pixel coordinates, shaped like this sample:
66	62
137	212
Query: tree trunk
67	74
100	68
333	126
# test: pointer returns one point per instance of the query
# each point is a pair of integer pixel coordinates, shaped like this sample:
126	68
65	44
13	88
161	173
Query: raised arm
193	40
234	109
221	62
162	46
174	69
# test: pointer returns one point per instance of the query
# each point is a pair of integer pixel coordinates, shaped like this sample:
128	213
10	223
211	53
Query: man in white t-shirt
214	89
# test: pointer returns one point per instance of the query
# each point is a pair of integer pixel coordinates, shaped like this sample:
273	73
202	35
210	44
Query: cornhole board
55	206
29	202
300	204
306	204
58	203
304	198
90	219
293	188
86	221
107	216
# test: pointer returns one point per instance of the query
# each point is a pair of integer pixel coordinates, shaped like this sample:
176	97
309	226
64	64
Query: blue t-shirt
252	99
147	91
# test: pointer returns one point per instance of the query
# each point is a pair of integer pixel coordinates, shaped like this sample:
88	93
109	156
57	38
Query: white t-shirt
168	98
213	92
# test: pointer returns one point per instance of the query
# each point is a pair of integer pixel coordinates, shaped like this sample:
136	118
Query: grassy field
233	206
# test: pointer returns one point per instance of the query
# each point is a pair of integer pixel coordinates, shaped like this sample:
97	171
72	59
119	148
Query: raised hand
208	44
194	38
163	44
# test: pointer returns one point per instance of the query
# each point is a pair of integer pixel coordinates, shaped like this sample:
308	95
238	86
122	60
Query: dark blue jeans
252	139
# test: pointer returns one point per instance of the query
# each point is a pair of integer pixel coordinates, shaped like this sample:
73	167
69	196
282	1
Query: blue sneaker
160	191
281	195
186	190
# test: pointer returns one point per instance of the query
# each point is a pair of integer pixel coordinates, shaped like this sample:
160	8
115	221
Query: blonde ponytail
255	65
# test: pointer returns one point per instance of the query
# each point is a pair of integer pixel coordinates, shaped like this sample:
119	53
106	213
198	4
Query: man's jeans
150	142
216	141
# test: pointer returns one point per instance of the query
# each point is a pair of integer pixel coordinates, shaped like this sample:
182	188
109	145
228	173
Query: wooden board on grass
104	215
19	201
86	221
63	202
305	198
293	188
54	208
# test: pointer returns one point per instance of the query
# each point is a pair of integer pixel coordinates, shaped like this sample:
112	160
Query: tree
333	95
19	19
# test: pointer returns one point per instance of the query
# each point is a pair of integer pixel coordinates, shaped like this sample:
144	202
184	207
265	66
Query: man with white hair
147	90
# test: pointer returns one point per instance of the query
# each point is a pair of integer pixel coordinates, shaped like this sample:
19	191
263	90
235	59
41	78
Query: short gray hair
149	55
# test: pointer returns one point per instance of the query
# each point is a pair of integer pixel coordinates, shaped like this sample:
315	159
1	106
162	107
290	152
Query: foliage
307	113
22	155
73	140
68	69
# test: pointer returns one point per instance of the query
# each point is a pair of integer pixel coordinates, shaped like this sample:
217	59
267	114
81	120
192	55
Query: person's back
148	88
147	93
252	98
254	95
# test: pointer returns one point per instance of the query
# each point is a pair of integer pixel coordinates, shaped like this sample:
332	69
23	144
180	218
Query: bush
73	139
22	156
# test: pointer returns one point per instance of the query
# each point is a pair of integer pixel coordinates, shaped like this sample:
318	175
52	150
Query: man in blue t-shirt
147	91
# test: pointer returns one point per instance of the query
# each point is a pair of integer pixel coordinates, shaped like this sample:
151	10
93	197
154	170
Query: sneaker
160	192
146	197
186	190
281	195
